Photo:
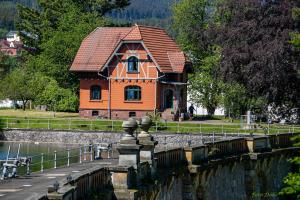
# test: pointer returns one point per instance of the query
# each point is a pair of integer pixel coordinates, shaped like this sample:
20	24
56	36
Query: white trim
126	42
126	63
142	67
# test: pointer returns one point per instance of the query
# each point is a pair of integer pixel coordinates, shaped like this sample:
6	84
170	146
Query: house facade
12	45
130	71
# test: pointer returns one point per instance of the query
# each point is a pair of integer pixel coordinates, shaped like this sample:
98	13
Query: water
35	150
32	149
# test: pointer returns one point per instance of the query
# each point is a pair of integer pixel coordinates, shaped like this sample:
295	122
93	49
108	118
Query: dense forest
148	12
8	12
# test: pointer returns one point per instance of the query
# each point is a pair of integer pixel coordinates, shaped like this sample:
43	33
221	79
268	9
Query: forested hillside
149	12
8	12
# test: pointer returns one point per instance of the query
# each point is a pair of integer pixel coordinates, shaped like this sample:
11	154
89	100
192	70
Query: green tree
57	98
3	33
291	189
54	32
205	86
191	22
235	100
22	85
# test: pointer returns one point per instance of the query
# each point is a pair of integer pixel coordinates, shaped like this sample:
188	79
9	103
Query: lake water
34	150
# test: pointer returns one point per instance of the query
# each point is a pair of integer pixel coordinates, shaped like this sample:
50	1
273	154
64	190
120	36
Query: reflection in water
32	149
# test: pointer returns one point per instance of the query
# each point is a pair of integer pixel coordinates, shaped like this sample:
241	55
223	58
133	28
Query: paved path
35	185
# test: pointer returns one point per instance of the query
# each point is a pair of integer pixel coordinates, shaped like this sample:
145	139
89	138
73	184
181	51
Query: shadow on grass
2	137
207	117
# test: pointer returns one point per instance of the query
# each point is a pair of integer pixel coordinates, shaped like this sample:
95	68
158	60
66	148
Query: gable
118	66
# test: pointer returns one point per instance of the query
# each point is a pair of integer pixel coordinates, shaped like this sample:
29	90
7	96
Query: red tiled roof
4	44
177	60
98	47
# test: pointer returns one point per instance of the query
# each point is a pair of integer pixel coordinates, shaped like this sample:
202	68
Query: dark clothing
191	110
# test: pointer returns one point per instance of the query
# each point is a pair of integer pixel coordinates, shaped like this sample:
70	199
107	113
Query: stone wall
242	179
239	178
85	137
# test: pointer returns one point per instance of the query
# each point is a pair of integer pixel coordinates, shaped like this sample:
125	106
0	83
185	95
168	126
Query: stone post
129	147
146	140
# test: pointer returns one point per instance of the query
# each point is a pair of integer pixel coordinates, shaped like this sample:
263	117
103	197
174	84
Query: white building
202	111
6	103
12	36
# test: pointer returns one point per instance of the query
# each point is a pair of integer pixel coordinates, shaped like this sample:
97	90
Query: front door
168	98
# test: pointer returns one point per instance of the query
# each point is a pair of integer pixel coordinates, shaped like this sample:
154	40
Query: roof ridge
128	33
154	27
90	33
131	30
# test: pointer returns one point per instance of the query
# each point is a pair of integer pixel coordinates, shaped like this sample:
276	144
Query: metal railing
62	158
115	125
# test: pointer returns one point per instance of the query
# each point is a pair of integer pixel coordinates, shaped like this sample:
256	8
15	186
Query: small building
130	71
12	45
13	36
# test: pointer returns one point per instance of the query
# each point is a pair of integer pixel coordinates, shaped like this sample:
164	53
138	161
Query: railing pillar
80	155
84	153
128	147
68	152
91	152
55	152
27	168
42	162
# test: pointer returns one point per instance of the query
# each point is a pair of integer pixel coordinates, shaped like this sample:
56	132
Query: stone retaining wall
165	140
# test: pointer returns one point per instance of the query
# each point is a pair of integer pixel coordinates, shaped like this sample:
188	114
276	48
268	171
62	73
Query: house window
95	92
132	93
132	114
95	113
132	64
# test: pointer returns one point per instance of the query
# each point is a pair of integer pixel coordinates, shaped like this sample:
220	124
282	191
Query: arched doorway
168	98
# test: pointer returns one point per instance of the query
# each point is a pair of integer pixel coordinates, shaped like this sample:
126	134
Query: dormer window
132	65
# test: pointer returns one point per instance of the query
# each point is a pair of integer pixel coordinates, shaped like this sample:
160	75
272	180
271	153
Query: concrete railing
126	180
281	140
235	146
80	184
169	157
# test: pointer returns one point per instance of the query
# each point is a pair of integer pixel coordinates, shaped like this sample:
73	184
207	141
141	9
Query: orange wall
118	69
85	102
147	96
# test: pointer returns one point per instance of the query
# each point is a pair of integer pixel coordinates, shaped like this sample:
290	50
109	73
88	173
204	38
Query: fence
114	125
60	158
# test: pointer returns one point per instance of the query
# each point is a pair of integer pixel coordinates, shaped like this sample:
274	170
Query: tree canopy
191	21
256	51
52	35
22	85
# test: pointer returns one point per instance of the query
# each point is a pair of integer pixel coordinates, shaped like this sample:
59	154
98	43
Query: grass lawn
34	113
32	119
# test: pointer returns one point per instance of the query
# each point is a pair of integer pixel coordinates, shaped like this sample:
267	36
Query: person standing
191	111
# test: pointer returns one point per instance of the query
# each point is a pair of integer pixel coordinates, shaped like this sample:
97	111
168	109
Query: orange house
129	71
